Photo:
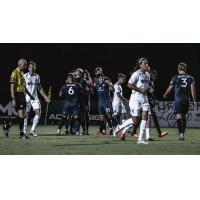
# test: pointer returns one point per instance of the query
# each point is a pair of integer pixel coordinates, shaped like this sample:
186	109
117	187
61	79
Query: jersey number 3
184	82
70	91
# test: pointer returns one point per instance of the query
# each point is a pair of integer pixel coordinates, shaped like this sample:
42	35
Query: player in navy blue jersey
84	104
103	88
71	92
183	85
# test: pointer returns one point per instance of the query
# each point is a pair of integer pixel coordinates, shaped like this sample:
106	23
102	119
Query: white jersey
32	84
118	89
140	80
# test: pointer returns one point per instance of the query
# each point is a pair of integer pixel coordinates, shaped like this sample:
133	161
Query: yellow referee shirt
17	78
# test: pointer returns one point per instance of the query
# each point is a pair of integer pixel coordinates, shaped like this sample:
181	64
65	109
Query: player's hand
165	96
13	103
144	91
47	99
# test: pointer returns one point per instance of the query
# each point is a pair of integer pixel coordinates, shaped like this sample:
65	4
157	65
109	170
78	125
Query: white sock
142	129
147	130
125	130
128	122
35	122
25	125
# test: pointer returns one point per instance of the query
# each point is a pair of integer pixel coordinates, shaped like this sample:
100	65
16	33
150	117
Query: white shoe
33	133
117	130
142	142
58	131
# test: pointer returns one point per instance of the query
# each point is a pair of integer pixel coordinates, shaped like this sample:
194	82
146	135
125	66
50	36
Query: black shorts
181	107
71	110
20	101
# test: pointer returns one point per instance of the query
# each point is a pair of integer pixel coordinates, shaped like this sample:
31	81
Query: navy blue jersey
182	84
103	91
71	92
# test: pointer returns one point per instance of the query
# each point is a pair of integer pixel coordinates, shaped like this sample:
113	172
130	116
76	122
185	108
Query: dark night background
55	60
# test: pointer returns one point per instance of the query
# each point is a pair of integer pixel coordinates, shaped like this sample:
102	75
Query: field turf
48	143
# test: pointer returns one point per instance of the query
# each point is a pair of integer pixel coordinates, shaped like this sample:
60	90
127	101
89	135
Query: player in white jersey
119	110
139	83
33	86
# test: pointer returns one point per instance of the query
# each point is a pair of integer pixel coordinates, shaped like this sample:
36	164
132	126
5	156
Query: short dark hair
182	66
97	69
100	75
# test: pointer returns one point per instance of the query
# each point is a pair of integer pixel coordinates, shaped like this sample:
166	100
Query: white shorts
118	108
35	104
138	104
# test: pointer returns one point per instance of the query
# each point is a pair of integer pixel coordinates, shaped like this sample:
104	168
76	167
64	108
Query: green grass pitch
48	143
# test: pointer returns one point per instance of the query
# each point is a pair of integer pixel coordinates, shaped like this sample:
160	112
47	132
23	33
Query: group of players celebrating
113	112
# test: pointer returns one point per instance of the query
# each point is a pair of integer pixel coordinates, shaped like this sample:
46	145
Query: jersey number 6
70	91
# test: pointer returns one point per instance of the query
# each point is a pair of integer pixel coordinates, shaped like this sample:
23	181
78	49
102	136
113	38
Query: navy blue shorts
71	110
181	107
105	107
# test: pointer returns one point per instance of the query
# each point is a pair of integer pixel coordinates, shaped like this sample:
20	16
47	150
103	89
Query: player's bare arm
121	97
168	91
12	89
110	85
193	92
42	92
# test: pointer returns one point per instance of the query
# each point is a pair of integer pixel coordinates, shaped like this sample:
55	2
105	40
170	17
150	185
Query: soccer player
182	84
139	83
152	102
33	85
103	88
71	91
119	111
84	106
18	89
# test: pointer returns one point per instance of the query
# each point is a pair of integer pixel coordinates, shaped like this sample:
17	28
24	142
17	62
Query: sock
83	121
142	129
148	129
76	125
21	126
35	122
135	128
179	125
156	123
66	125
115	120
25	125
109	122
125	130
128	122
184	122
87	122
61	123
101	126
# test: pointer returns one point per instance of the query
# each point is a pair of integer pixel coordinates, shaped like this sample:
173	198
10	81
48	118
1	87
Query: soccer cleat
150	139
33	133
26	137
162	134
58	131
142	142
6	128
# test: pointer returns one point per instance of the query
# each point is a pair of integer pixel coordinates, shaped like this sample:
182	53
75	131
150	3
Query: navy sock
180	125
156	123
184	122
76	124
61	123
21	125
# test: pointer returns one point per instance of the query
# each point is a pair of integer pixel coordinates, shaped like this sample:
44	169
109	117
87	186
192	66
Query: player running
33	85
103	88
139	83
182	84
71	92
119	110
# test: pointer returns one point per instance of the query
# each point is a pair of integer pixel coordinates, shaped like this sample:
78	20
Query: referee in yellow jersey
18	90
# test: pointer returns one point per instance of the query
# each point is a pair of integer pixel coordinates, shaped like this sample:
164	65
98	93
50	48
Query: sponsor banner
164	111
